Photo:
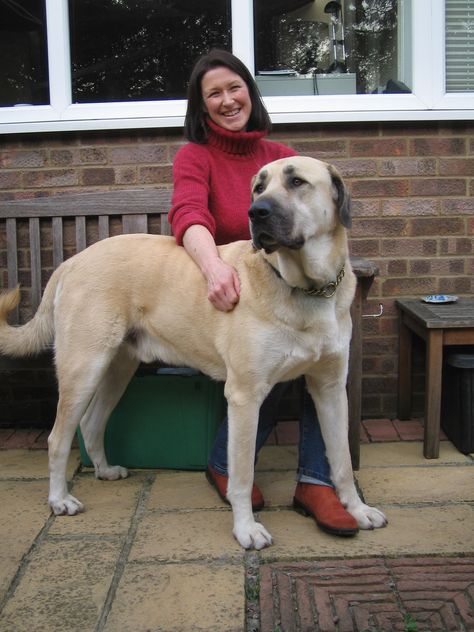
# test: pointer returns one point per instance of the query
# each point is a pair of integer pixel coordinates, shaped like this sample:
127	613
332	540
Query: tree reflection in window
136	50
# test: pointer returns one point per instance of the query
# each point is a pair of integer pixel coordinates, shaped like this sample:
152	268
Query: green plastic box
165	420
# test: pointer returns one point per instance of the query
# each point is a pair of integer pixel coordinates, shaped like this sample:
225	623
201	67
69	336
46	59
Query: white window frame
428	100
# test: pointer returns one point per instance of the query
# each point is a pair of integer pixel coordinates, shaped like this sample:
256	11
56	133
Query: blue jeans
313	466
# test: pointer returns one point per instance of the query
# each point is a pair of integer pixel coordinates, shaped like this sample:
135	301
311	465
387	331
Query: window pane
459	45
125	50
23	53
320	47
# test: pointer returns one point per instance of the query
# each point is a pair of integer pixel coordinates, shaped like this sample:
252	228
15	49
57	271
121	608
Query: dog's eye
259	188
297	182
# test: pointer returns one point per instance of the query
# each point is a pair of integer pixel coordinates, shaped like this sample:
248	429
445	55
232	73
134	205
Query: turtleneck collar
238	143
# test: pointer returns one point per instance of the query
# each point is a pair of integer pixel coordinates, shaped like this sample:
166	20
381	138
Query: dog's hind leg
94	421
78	378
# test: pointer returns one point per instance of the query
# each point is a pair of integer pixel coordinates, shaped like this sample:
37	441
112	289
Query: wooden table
439	325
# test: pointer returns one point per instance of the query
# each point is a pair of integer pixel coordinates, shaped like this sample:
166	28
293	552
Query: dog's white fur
140	297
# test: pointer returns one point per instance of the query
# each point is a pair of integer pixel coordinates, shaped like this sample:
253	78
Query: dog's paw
111	473
252	536
369	517
68	506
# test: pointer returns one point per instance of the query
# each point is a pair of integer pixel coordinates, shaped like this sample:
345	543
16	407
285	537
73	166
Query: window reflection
335	47
23	53
126	50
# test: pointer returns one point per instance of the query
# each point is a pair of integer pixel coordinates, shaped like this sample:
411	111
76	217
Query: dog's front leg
243	422
330	401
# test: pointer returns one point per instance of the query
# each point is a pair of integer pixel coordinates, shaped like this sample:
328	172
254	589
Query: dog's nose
261	209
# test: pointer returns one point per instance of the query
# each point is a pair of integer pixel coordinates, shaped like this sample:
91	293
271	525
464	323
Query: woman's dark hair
195	126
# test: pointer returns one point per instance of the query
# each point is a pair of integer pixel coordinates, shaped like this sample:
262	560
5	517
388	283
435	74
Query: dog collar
326	291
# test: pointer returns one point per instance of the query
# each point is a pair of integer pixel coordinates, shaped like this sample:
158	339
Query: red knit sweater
212	182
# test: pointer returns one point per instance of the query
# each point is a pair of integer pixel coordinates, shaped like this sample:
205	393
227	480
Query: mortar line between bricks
125	552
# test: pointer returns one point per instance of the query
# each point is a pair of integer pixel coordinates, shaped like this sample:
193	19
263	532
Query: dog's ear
343	199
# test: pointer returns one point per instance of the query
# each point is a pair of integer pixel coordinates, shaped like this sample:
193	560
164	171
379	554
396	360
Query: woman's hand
222	279
223	285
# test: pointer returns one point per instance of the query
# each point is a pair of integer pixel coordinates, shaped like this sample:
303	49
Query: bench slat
58	245
134	224
12	263
104	229
81	243
35	259
113	202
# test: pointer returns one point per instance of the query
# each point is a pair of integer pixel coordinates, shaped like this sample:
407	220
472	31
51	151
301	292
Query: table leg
433	385
404	370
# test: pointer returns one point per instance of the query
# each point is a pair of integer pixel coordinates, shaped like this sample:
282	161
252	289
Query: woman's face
226	98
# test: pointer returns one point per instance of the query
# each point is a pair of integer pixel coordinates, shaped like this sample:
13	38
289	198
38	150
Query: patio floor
155	552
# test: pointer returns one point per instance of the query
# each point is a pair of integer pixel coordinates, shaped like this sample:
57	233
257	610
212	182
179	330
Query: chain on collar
327	290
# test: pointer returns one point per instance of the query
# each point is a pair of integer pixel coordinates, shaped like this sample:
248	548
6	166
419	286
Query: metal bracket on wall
380	313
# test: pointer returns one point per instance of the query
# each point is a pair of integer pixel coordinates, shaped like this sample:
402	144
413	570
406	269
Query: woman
226	123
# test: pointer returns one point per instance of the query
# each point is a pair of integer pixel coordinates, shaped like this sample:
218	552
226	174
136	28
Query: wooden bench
53	228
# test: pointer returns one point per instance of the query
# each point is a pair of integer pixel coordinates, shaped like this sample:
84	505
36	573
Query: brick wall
412	186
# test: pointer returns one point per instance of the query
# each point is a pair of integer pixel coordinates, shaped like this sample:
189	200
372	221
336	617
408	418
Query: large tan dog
140	297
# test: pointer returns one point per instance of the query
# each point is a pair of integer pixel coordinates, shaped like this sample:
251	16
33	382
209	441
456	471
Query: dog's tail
35	335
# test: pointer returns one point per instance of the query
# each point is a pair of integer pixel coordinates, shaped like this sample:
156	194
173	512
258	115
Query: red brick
287	433
61	157
409	430
322	149
50	178
380	430
22	159
456	167
93	155
155	175
143	154
380	188
408	167
437	186
365	247
456	246
10	180
437	226
98	176
409	286
385	227
379	147
437	147
463	206
356	168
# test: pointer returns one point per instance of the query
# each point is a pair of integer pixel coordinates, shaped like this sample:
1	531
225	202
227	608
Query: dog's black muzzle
271	227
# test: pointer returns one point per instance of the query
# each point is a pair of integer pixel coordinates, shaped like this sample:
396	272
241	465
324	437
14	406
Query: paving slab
406	453
24	513
63	587
415	530
25	464
109	506
417	485
277	457
186	535
182	490
179	598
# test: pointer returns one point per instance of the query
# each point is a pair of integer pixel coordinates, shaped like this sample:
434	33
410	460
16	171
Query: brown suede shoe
321	502
219	481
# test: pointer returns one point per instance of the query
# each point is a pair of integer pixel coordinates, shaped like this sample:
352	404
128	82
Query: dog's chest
304	343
